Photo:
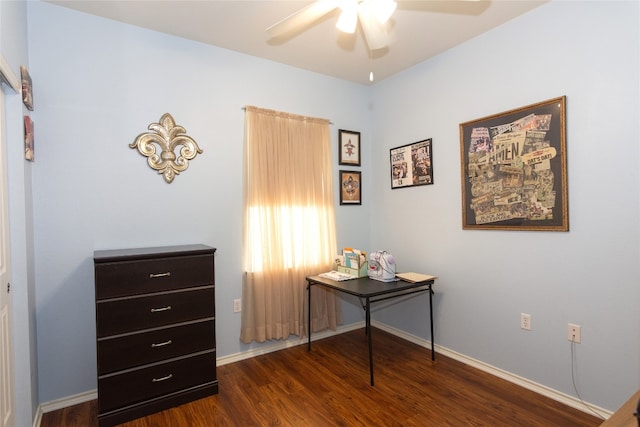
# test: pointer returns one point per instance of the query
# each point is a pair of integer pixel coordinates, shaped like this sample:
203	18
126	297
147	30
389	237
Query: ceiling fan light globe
348	19
383	9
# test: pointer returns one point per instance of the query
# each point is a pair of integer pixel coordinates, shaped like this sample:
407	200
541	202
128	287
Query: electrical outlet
525	321
573	333
237	305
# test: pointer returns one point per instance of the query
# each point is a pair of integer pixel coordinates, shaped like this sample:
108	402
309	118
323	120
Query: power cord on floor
573	380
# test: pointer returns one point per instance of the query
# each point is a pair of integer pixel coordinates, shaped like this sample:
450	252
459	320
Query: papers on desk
337	276
414	277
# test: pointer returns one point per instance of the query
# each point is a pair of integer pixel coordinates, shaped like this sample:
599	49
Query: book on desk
412	277
338	276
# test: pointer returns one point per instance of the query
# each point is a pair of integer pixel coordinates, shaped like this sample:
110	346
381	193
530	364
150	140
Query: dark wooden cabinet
155	328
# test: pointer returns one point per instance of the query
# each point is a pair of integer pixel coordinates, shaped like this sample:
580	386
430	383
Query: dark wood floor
329	386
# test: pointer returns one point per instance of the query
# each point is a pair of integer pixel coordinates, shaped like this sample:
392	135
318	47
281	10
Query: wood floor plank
329	386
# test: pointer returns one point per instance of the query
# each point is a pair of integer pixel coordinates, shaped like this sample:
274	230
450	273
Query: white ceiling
418	30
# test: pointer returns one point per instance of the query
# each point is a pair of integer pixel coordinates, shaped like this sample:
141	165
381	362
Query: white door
7	417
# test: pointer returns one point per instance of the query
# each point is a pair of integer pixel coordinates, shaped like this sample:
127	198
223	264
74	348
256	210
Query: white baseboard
64	402
508	376
530	385
38	418
286	344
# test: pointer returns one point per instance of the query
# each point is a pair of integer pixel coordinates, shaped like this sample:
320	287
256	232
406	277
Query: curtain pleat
289	224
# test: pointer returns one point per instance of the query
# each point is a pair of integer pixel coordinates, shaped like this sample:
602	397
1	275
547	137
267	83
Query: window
289	223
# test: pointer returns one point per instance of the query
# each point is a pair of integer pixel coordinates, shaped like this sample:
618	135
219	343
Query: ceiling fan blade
374	32
302	17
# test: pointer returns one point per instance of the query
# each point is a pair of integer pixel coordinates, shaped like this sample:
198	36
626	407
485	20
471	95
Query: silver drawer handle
157	380
160	344
156	310
153	276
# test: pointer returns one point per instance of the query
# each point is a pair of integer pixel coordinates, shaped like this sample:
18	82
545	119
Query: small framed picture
27	90
349	142
350	188
28	139
412	164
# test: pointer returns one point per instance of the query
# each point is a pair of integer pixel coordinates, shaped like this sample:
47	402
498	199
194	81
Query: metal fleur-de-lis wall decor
168	137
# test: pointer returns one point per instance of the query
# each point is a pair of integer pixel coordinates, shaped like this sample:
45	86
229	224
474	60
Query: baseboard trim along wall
523	382
508	376
287	344
87	396
64	402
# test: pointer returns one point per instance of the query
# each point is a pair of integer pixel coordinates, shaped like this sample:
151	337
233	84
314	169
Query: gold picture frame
514	169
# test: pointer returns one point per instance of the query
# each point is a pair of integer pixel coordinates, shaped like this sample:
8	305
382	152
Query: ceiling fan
372	15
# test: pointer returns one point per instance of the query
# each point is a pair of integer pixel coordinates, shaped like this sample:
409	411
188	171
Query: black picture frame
412	164
514	169
350	187
349	147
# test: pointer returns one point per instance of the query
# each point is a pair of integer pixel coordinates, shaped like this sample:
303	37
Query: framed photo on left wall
29	152
350	188
27	88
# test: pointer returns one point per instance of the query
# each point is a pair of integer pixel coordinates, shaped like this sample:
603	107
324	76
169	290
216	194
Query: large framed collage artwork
514	169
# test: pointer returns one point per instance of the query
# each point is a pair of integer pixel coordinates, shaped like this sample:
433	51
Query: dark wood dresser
155	328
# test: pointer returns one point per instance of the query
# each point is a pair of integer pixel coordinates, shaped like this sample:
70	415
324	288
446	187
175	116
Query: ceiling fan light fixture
383	9
375	33
348	17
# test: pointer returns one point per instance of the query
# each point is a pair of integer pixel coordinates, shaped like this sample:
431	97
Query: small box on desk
358	272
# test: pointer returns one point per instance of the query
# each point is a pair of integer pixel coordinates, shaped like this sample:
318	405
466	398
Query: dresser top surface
151	252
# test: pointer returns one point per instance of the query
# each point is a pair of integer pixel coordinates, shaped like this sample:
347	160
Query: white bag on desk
382	266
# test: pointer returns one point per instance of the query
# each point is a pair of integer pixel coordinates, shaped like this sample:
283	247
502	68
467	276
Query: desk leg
368	328
433	341
309	315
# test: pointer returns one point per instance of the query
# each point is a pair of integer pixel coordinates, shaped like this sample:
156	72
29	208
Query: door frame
8	78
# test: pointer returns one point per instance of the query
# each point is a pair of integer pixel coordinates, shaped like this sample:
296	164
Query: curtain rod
285	115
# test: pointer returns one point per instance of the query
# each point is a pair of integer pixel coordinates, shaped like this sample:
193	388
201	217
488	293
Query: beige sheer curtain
289	224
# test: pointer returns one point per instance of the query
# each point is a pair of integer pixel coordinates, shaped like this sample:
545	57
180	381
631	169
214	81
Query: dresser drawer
136	386
126	278
137	349
133	314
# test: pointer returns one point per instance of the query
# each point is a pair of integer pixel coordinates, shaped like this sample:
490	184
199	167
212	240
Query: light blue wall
588	51
14	50
99	85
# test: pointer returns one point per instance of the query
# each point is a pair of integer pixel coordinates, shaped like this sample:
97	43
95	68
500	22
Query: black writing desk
370	291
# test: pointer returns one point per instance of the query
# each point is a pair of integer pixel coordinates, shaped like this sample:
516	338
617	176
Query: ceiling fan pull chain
371	65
